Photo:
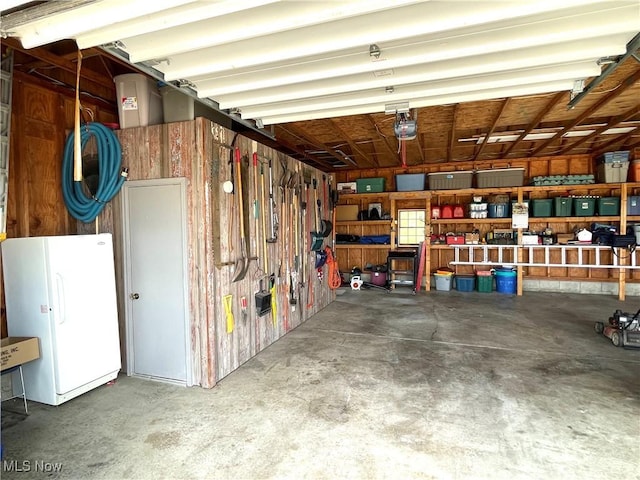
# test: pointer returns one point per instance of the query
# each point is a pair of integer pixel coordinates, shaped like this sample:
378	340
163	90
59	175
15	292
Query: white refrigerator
62	290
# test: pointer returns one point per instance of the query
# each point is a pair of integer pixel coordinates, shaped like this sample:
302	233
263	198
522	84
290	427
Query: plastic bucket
506	281
443	281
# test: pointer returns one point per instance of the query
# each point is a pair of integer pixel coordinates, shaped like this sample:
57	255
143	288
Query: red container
455	239
634	171
458	211
379	278
435	212
447	211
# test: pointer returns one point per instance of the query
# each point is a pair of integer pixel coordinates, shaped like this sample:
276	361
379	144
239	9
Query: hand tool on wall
227	300
272	208
263	297
243	262
326	226
316	237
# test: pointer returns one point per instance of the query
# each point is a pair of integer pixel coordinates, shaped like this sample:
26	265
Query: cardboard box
347	213
472	238
15	351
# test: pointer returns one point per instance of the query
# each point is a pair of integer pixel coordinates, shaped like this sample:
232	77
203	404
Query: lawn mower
623	329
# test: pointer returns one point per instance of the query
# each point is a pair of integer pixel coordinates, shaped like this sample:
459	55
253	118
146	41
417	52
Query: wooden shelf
442	221
534	220
440	251
363	246
363	223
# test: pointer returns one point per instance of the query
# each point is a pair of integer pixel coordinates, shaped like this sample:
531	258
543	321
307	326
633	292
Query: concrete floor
448	385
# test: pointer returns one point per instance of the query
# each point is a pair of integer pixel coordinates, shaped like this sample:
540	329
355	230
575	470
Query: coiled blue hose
79	202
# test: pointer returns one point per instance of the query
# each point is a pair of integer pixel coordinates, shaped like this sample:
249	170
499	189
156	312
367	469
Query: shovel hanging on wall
242	264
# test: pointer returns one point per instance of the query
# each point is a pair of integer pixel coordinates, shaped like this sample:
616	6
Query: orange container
634	171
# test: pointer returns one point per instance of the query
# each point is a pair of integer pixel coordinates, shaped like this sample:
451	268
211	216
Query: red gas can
458	211
447	211
435	212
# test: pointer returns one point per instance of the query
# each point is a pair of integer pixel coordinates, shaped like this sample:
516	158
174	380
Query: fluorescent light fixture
503	138
571	52
286	23
73	22
386	26
469	96
156	24
437	88
216	79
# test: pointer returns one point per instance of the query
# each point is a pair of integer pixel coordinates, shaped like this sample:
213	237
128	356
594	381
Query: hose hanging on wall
81	203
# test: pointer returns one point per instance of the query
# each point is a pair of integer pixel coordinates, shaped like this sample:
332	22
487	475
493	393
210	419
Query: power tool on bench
623	329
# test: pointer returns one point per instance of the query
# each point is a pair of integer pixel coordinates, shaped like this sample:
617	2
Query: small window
411	227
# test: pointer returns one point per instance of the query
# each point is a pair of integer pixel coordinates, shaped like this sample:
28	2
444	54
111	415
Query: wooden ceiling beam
611	123
305	158
626	83
452	132
352	144
536	121
303	136
605	147
505	103
44	55
391	151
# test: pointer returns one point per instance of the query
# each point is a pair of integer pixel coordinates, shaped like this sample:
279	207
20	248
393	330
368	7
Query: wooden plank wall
198	151
40	119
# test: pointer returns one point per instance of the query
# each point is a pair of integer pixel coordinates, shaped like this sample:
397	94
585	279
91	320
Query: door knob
134	296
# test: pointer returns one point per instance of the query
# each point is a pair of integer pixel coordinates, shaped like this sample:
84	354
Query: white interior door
158	342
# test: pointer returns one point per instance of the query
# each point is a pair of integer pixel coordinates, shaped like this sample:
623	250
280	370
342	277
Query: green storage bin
541	207
370	185
609	206
484	283
584	206
563	206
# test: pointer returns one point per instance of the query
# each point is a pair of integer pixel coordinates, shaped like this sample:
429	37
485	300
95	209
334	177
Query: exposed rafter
610	124
354	146
491	129
628	82
60	62
536	121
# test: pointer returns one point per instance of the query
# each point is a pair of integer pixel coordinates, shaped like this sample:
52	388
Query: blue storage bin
506	281
465	283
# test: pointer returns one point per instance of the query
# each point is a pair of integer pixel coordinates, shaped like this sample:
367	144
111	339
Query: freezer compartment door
85	316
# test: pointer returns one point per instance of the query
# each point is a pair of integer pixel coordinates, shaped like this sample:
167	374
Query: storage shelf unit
571	256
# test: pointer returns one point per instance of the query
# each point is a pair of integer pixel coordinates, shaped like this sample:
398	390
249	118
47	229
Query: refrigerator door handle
62	310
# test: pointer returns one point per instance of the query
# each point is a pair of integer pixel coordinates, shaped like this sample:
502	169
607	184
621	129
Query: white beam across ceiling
378	27
587	50
566	71
467	96
262	20
161	21
534	31
71	23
